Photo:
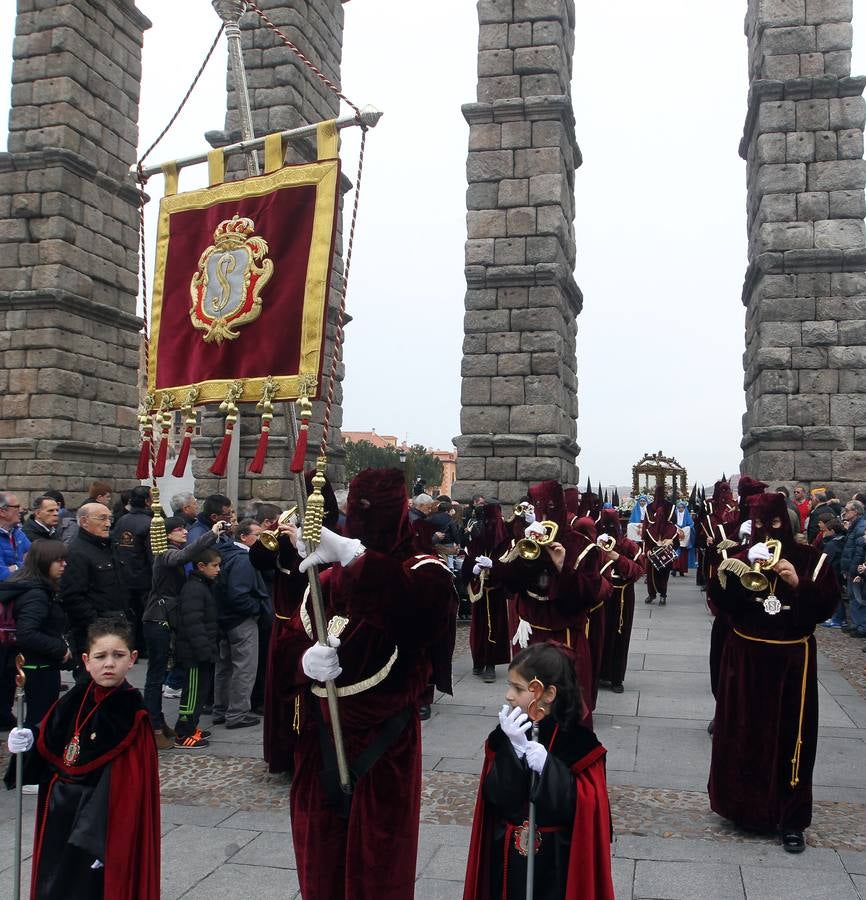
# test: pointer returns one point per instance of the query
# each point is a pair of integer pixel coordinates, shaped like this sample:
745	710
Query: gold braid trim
734	566
798	745
726	544
360	686
585	551
475	596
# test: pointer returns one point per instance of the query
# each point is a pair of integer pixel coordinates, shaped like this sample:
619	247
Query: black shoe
477	670
649	600
617	688
218	720
489	675
793	841
244	722
259	709
663	601
424	712
711	726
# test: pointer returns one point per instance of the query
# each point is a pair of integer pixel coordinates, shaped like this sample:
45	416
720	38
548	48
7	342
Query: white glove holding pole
521	636
514	724
536	529
760	552
331	548
322	663
482	562
746	529
20	740
536	756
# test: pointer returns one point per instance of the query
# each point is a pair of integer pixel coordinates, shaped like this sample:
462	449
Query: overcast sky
659	95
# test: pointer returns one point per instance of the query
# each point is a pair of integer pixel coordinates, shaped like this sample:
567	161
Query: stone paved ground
226	823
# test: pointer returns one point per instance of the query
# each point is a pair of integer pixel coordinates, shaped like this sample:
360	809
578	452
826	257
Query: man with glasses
854	518
93	586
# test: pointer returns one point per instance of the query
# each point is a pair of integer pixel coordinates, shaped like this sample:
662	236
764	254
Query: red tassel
161	455
183	454
300	450
143	469
220	463
258	462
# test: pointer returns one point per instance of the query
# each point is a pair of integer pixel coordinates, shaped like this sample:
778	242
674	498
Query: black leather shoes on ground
424	712
245	722
648	600
617	688
489	675
477	670
793	841
219	720
663	601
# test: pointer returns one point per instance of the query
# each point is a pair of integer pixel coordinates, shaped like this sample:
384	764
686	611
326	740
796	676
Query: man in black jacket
241	597
131	532
42	523
93	585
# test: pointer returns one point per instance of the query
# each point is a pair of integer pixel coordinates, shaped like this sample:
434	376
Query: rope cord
338	336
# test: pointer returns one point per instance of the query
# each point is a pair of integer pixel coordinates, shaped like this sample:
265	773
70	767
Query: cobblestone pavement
847	655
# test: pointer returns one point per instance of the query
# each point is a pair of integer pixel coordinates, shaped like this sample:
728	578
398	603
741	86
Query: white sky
659	93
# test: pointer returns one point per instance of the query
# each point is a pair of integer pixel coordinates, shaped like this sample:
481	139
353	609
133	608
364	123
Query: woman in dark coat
40	624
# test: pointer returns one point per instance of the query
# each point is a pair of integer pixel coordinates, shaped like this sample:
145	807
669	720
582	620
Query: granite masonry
805	287
69	334
519	389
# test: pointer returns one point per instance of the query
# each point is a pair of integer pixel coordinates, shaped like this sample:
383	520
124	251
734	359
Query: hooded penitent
609	523
377	510
548	499
766	509
493	530
748	488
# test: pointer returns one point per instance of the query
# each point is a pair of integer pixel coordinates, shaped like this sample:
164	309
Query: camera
224	527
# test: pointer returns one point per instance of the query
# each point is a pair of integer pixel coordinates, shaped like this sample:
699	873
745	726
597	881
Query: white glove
514	724
536	756
602	539
332	548
536	528
521	636
483	562
97	864
746	529
529	514
20	740
759	551
322	663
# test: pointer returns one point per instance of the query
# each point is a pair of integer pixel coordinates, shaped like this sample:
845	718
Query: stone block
811	205
500	87
771	148
809	358
480	299
852	332
835	36
480	251
825	146
496	62
850	143
847	205
57	381
485	137
779	334
509	251
475	391
543	189
539	468
533	419
541	341
513	444
848	114
484	419
503	342
813	465
809	409
843	234
776	13
513	298
778	286
474	469
800	147
771	465
513	192
771	409
493	36
849	466
779	179
819	381
52	406
483	195
847	409
777	381
827	437
520	221
781	236
546	364
516	135
514	364
820	11
507	391
501	468
839	175
544	389
787	309
493	320
794	39
811	64
485	223
781	67
520	34
535	161
846	357
813	115
841	308
847	284
838	62
852	381
489	165
544	249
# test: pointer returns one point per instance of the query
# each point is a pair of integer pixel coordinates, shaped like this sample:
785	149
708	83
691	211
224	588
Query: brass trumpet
271	539
520	511
530	548
755	580
607	545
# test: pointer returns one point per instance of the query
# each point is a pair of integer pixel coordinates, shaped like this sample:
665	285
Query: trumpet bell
270	540
530	548
754	581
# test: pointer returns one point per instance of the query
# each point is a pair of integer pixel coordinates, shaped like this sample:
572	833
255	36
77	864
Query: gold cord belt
591	610
621	607
795	759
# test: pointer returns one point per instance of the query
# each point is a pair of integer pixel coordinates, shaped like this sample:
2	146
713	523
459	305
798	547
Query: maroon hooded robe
489	637
766	725
657	531
622	573
400	608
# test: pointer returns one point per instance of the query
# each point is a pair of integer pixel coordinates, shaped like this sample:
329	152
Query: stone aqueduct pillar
519	391
69	335
805	287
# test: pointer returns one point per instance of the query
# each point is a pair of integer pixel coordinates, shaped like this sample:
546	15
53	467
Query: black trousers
41	689
657	582
197	684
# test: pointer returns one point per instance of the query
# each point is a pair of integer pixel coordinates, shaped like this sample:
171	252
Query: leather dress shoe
244	722
617	688
424	712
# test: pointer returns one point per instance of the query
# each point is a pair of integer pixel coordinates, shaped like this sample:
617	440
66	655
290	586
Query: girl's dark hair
551	666
110	627
38	561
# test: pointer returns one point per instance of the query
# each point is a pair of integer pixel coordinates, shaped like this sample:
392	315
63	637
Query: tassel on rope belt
795	759
621	607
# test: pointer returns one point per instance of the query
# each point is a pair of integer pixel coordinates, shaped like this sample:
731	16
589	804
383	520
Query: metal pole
19	775
530	849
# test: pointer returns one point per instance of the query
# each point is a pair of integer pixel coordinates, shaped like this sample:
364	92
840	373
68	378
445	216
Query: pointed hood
748	488
609	523
764	508
377	510
548	499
